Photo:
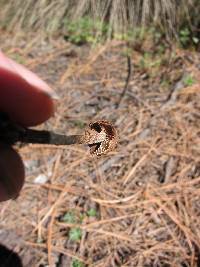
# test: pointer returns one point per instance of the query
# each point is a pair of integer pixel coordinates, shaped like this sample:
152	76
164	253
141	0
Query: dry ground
137	206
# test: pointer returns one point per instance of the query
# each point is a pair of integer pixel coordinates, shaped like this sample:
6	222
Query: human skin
28	101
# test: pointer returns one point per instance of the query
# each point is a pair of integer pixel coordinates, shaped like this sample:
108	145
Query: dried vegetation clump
137	206
120	16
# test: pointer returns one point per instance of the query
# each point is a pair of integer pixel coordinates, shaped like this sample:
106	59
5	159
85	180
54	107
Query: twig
127	81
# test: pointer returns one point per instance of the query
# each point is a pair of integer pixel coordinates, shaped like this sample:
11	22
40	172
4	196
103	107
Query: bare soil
146	194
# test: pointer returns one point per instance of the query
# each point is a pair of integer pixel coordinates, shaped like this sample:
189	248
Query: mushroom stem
101	136
47	137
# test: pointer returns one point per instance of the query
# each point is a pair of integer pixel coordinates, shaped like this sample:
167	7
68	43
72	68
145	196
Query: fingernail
52	94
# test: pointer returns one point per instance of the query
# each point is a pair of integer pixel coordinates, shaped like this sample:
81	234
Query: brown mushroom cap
104	137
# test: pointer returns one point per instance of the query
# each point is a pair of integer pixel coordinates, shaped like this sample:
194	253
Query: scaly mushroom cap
102	137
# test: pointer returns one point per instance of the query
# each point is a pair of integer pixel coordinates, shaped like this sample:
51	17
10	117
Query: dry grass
146	194
121	15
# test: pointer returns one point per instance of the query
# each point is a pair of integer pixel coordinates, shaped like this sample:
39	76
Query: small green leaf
92	212
185	32
195	40
77	263
189	80
75	234
69	217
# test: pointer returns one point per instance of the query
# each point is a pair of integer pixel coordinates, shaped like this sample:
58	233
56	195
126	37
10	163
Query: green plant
69	217
128	36
187	37
85	30
75	234
184	36
138	34
195	40
92	212
189	80
77	263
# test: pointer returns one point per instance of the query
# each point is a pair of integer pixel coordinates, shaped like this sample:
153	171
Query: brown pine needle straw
100	136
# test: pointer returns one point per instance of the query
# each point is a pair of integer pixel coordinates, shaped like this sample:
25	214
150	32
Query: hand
28	101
